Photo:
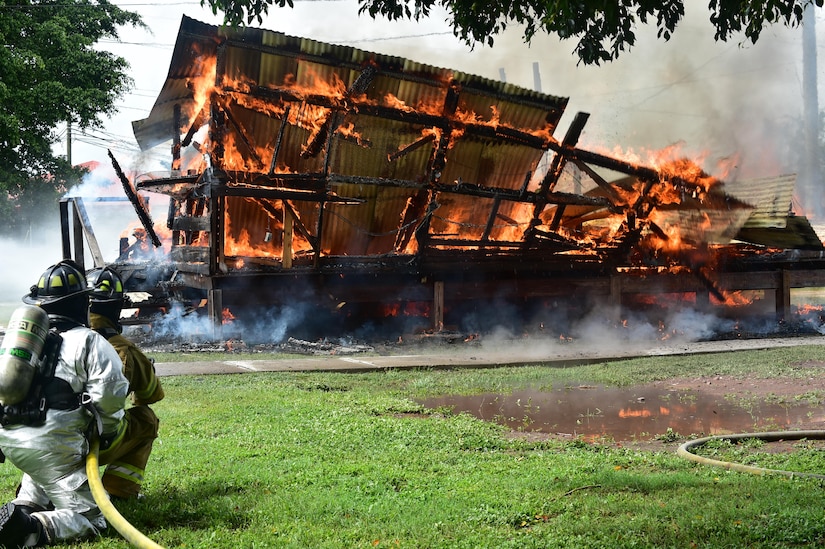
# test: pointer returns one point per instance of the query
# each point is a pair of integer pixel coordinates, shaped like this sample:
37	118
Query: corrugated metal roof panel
268	58
771	198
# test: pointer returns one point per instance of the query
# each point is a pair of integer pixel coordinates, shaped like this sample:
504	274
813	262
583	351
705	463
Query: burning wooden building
369	185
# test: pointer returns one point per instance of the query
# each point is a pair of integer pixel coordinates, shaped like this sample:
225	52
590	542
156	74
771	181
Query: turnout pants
126	459
58	479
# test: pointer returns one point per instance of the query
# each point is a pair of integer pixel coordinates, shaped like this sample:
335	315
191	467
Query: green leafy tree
604	28
50	74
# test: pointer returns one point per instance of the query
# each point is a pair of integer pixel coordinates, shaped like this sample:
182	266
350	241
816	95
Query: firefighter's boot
19	529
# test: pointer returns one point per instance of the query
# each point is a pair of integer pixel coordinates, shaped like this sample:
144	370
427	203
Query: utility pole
812	187
69	141
536	77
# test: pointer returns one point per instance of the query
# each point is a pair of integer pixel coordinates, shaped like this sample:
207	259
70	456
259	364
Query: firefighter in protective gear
86	391
126	458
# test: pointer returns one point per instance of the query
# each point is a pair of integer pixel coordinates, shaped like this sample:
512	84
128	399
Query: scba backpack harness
46	391
28	360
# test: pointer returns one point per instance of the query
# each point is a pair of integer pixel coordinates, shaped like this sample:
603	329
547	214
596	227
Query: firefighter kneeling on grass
60	382
126	458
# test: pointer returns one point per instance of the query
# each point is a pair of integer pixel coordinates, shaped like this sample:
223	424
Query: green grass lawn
351	460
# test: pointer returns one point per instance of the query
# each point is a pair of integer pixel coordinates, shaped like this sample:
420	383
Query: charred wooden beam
91	240
199	121
278	141
708	283
322	132
365	78
141	212
493	213
550	179
444	122
247	140
598	179
433	241
217	131
65	240
317	138
179	189
297	223
560	159
170	219
197	210
657	230
642	172
191	223
562	242
407	149
217	219
301	227
527	177
557	217
470	189
376	181
300	181
283	194
176	144
551	241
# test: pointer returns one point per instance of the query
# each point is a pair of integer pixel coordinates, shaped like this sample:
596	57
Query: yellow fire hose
132	534
774	436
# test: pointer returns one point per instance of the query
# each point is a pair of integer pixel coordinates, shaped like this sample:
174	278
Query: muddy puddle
640	413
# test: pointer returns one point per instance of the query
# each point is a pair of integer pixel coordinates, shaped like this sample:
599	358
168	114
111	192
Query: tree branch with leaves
603	28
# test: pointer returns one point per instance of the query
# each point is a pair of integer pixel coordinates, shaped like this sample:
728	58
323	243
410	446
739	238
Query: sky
713	100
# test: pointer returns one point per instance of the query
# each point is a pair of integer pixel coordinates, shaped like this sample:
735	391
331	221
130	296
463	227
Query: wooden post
286	259
783	295
615	298
214	308
77	232
702	300
64	228
438	305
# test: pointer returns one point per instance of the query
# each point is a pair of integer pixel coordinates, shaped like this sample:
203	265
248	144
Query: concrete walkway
485	355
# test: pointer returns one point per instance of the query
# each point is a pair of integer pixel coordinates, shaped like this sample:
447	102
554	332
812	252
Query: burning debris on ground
318	190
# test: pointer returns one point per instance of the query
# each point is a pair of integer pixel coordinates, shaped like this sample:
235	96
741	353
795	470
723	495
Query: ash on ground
198	343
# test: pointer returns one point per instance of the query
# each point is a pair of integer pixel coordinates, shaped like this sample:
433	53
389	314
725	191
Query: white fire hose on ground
132	534
774	436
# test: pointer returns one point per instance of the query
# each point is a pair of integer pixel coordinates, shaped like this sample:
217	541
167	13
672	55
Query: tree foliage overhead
51	73
603	28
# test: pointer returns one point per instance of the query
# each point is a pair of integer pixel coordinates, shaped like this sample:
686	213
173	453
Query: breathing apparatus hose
132	534
773	436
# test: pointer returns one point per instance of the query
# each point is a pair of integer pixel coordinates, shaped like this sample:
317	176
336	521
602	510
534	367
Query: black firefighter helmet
61	291
106	295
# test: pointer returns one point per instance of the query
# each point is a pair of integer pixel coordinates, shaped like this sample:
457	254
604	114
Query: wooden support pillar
214	308
66	241
438	305
615	298
286	259
783	295
702	300
77	236
176	144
